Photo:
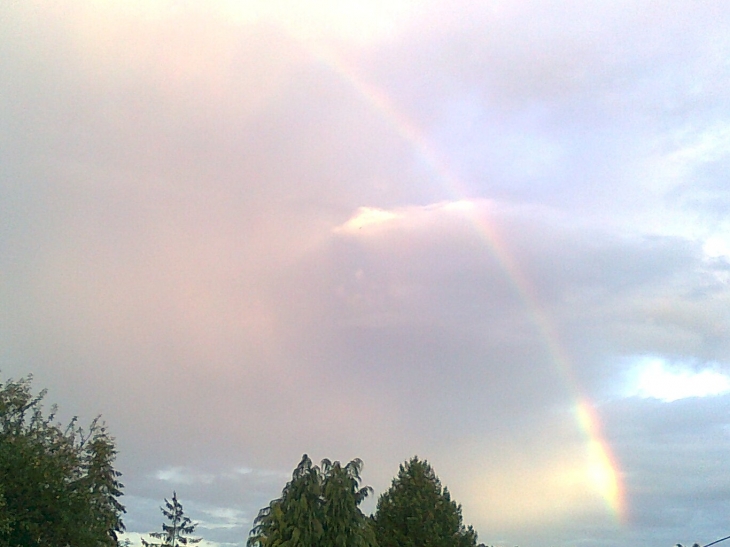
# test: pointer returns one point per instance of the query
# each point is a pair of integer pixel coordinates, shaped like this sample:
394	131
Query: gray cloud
180	250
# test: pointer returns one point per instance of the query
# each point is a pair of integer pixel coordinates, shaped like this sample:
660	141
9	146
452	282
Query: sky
493	234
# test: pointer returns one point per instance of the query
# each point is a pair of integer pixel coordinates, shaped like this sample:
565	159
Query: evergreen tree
101	481
179	528
319	506
344	524
58	486
296	516
417	512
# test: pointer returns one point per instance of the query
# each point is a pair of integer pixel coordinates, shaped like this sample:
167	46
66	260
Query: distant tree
58	485
179	528
319	506
417	512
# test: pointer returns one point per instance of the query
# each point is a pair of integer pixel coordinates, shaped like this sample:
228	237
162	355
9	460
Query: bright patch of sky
367	216
182	475
358	21
222	517
136	538
656	378
717	246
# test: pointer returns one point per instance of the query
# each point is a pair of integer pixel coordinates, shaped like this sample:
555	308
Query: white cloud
244	470
136	538
366	217
188	475
183	475
366	220
222	517
717	246
654	377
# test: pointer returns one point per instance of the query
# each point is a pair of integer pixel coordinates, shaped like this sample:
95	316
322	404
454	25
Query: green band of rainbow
603	470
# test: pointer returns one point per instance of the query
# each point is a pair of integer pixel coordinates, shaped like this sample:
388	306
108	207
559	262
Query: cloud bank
245	231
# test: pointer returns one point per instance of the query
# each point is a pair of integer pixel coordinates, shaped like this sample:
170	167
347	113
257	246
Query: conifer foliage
319	506
418	512
58	485
179	528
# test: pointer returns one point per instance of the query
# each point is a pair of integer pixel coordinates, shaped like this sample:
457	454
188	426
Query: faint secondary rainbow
603	470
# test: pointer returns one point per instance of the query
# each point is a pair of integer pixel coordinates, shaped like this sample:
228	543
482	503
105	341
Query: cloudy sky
494	234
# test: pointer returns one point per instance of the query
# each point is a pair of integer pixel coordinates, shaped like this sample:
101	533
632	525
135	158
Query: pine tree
175	533
101	482
418	512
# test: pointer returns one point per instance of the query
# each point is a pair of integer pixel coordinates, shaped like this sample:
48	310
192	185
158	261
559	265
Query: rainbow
603	469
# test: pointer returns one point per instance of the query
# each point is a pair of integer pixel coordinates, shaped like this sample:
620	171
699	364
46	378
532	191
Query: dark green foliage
296	516
344	523
58	485
417	512
319	506
179	528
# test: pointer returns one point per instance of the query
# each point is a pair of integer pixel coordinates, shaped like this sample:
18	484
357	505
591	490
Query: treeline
320	506
59	487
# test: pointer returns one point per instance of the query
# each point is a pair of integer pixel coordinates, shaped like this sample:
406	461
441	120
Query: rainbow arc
603	470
